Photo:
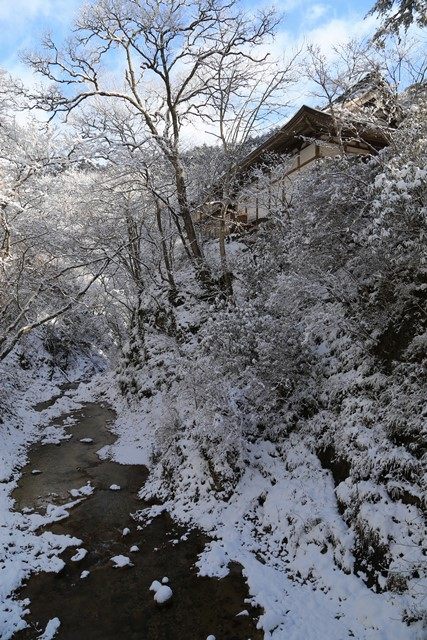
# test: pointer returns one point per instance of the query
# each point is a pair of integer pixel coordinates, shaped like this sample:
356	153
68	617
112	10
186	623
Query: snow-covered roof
310	122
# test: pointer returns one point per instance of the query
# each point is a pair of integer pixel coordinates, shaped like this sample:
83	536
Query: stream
115	603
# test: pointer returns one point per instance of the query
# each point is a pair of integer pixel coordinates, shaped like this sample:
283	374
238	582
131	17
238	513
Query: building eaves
308	121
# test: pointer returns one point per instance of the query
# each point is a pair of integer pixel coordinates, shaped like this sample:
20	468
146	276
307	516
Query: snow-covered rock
121	561
86	490
155	586
51	629
163	594
81	553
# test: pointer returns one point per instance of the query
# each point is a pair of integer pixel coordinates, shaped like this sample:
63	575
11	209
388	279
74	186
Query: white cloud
329	33
339	31
23	22
14	11
20	9
315	12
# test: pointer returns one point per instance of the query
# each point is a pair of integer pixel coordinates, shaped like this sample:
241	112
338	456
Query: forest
272	378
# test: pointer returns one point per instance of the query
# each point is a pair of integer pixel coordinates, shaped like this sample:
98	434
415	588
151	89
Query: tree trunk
226	276
184	207
166	258
5	245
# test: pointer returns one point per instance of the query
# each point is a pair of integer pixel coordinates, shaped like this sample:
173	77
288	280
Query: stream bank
112	603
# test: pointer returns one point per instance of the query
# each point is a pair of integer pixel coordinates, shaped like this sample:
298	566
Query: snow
284	586
283	423
283	490
231	456
54	435
165	580
243	464
115	487
86	440
134	548
121	561
211	638
155	586
84	574
23	548
51	629
288	493
163	594
77	557
36	472
57	512
134	442
86	490
126	531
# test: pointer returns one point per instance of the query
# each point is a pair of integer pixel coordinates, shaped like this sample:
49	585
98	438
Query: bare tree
334	81
44	271
248	96
26	305
400	61
363	81
137	179
167	51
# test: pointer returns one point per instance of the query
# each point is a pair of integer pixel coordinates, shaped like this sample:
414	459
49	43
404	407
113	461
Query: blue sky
325	22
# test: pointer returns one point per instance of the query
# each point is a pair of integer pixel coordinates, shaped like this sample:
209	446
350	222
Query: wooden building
354	125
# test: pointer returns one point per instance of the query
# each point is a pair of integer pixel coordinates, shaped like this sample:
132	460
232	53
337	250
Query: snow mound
86	490
121	561
81	553
54	435
162	593
51	629
115	487
86	440
155	586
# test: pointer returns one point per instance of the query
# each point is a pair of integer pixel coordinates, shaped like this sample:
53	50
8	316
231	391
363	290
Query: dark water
116	603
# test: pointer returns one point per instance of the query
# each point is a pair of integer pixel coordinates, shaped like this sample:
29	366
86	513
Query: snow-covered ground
23	549
282	524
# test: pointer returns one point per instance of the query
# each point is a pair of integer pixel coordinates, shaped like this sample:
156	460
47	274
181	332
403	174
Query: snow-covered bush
319	358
